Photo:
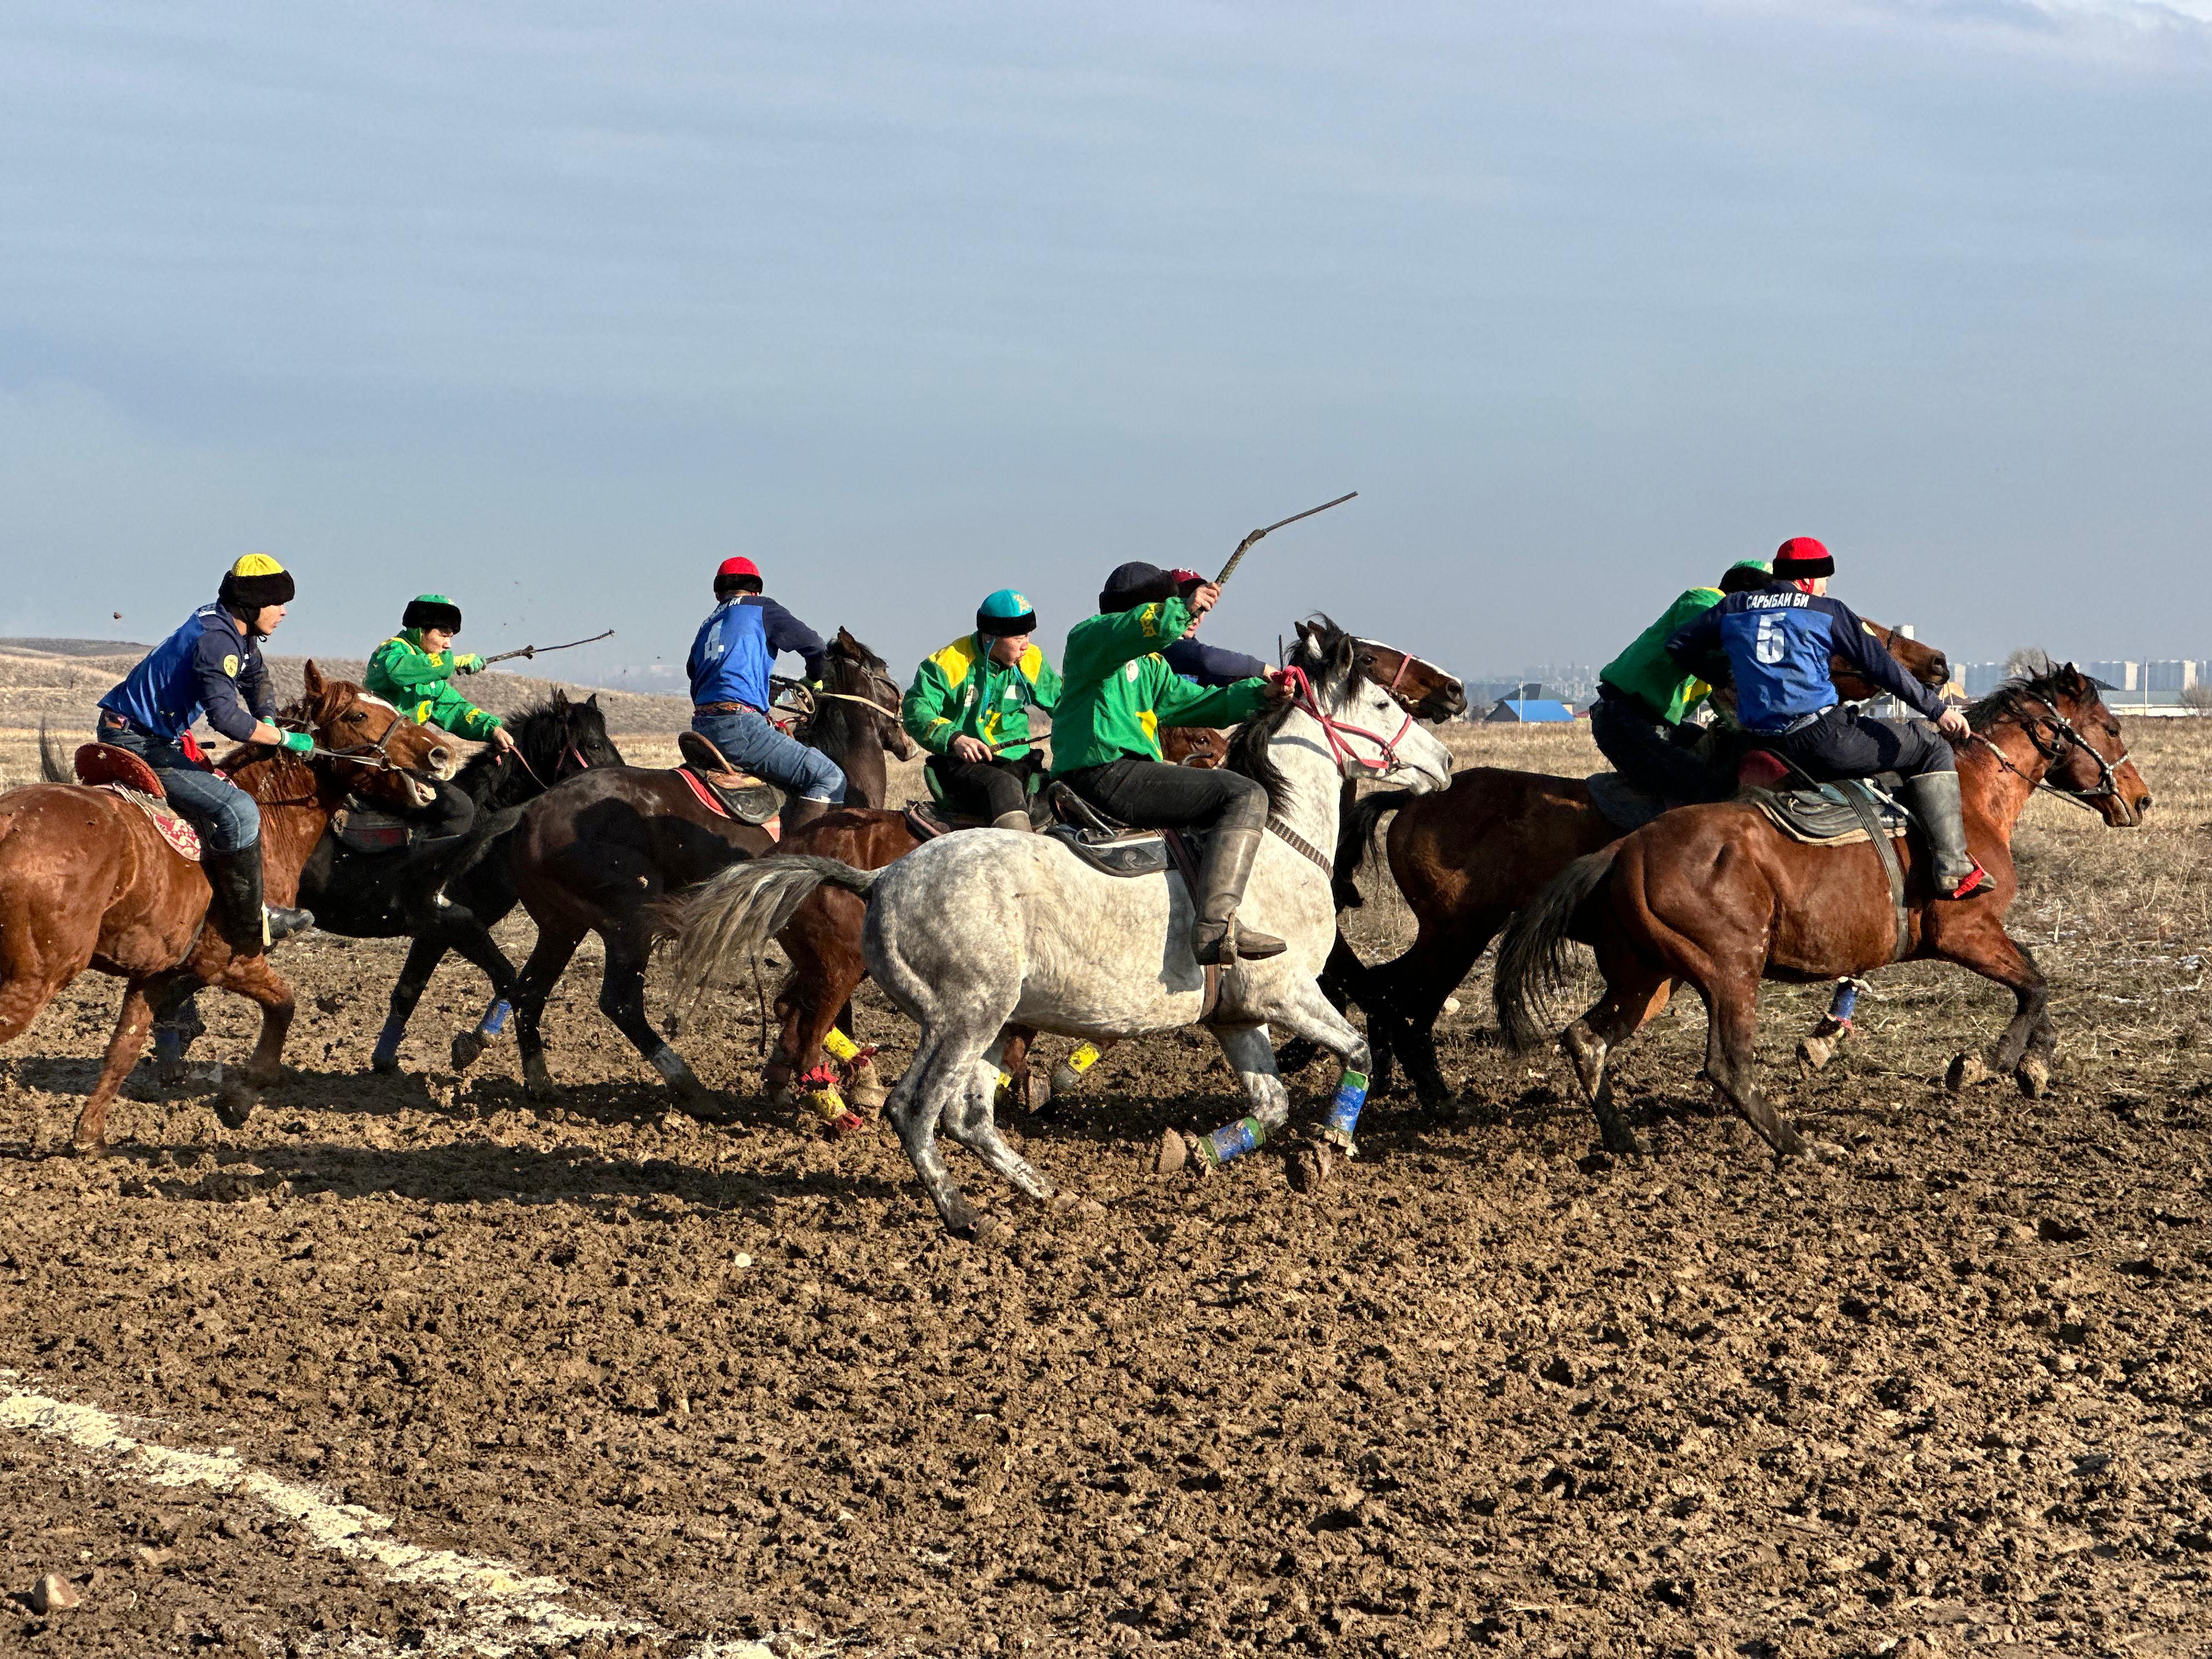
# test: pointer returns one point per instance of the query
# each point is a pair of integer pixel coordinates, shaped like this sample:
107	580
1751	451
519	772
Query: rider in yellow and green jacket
413	672
969	707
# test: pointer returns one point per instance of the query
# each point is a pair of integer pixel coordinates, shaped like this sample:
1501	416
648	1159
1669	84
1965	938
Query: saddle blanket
183	839
1822	816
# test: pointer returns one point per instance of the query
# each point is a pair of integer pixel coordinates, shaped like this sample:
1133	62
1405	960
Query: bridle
1405	660
1335	730
2108	781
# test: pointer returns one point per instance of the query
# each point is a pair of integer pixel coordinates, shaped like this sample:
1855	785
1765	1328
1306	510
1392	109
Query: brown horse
1717	897
86	881
597	855
1465	858
823	938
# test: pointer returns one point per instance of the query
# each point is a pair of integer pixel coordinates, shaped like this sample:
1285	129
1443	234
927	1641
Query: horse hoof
1309	1166
80	1145
865	1087
235	1103
993	1232
1965	1071
170	1074
2033	1077
1789	1143
538	1083
384	1065
846	1123
1172	1154
1066	1079
467	1046
1814	1053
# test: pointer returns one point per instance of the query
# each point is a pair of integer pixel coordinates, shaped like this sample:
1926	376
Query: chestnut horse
86	881
823	938
1465	858
1719	898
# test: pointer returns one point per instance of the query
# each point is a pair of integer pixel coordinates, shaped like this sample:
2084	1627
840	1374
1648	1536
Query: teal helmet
1005	612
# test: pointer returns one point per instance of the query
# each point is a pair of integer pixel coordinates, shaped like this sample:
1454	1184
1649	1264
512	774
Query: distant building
1527	710
2172	676
2116	676
1978	679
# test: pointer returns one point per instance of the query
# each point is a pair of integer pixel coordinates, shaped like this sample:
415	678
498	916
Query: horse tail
49	759
1532	958
734	914
1355	841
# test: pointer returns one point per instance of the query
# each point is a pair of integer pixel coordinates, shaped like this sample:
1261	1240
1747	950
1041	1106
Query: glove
467	665
300	742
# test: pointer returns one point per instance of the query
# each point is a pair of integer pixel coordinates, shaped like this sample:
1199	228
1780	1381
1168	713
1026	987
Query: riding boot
1934	798
1215	937
246	925
799	813
1012	821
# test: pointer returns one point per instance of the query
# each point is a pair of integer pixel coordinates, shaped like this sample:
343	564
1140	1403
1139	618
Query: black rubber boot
1934	798
1012	821
246	925
1215	937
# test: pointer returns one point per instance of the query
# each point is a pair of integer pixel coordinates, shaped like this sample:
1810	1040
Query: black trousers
1153	795
981	789
1655	757
1845	744
450	814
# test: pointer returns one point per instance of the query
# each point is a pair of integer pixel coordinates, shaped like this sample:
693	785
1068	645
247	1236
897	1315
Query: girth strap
1861	801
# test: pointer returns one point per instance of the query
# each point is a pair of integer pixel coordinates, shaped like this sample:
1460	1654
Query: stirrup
1977	880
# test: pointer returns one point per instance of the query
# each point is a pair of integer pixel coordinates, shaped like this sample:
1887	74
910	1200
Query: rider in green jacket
1117	691
1644	699
413	672
969	708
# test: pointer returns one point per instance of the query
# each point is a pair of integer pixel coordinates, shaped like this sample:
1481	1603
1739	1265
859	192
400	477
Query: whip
1245	546
533	650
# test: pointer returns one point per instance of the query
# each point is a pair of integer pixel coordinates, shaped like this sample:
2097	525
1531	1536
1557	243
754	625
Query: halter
2108	782
1335	730
1406	659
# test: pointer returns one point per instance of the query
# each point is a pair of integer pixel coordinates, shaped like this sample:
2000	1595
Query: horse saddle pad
122	773
363	830
1822	814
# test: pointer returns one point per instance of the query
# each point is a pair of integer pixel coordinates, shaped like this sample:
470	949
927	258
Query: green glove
300	742
468	663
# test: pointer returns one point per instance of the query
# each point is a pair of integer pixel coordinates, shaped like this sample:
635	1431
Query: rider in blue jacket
212	666
1775	643
729	663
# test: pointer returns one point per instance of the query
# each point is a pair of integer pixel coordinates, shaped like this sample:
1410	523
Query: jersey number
1769	645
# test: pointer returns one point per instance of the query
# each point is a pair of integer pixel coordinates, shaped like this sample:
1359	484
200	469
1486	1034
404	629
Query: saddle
364	829
122	773
721	787
1835	814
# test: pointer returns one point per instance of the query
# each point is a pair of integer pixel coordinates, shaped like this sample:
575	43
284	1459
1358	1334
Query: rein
1335	730
2108	782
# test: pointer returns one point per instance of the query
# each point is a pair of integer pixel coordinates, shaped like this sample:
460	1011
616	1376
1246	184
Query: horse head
851	669
346	720
2060	711
1422	690
580	730
1362	727
1930	666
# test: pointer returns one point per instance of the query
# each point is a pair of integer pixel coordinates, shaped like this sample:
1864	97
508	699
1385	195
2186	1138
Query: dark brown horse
1465	858
86	881
596	853
1718	898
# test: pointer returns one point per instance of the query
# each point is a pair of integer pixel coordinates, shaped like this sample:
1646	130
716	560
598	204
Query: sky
550	307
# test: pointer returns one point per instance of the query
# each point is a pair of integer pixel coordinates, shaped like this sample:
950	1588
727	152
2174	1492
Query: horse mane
1330	658
2012	701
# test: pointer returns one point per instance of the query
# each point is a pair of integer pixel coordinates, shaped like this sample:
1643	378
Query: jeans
1845	744
981	789
752	743
1151	794
225	815
1651	755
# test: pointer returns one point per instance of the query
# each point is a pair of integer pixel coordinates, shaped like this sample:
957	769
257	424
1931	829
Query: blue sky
552	306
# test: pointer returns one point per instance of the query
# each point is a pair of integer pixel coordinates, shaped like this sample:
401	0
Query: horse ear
591	702
560	698
311	679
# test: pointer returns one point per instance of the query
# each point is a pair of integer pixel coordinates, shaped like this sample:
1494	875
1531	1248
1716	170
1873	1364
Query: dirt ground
1484	1390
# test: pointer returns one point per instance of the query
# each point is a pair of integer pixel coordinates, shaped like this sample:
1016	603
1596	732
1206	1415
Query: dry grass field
675	1389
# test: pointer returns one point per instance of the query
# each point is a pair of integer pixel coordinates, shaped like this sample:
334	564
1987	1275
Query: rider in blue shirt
212	666
1775	643
729	663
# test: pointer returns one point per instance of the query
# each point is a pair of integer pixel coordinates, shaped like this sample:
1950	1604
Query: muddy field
1485	1390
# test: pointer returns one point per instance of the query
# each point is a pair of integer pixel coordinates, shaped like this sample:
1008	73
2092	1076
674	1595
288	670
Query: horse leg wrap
1232	1141
1846	1003
1344	1110
670	1064
387	1043
819	1095
841	1047
495	1017
1084	1057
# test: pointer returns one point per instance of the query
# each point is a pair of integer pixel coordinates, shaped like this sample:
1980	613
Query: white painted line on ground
501	1609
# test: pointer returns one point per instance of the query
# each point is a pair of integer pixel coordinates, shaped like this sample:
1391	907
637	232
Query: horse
597	852
974	932
1467	859
822	941
393	894
86	880
1718	898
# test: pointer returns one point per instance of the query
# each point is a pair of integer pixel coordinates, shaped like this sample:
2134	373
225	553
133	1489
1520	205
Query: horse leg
2029	1040
465	934
917	1103
972	1120
424	952
1252	1057
1407	995
252	977
1731	1061
621	1000
1818	1046
131	1025
177	1026
1634	995
1344	981
548	960
1067	1076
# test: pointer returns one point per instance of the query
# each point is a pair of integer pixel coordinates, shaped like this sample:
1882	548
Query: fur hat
1138	583
1004	613
432	610
255	581
1800	559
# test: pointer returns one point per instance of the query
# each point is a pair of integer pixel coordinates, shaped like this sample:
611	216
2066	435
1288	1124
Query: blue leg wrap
494	1019
1233	1140
1344	1110
168	1044
387	1039
1846	1000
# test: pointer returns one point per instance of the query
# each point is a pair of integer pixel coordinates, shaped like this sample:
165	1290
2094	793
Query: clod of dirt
1168	1159
53	1593
151	1558
2053	1231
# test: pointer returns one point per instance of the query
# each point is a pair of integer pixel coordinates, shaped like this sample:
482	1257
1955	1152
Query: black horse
448	897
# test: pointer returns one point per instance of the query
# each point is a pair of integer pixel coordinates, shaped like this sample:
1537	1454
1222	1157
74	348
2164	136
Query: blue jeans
752	743
225	815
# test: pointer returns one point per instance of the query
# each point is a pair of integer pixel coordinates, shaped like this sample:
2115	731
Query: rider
212	665
1777	640
413	670
729	660
969	707
1119	691
1640	720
